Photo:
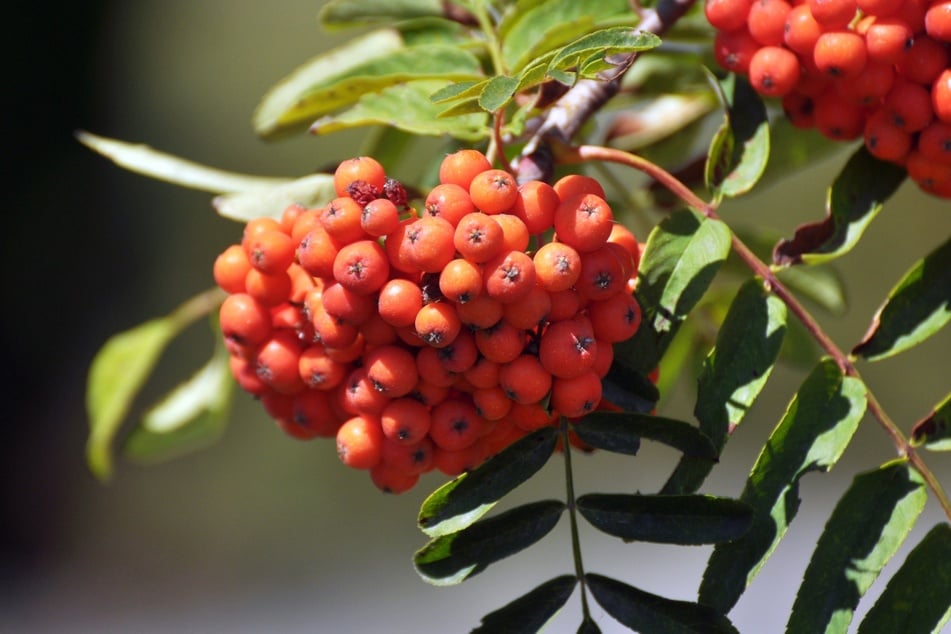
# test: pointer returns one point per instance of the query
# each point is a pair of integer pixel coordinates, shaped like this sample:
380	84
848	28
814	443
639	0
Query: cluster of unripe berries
877	69
429	339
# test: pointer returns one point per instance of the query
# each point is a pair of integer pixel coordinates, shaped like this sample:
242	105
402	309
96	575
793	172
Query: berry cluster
434	339
852	68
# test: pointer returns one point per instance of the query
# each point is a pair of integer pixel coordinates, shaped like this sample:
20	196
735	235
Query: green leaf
122	366
460	502
854	199
602	43
683	254
739	150
645	612
310	191
497	92
304	96
453	558
144	160
407	107
917	599
813	433
608	431
534	28
629	389
673	433
733	375
192	416
918	306
459	90
345	13
867	527
688	520
530	612
934	430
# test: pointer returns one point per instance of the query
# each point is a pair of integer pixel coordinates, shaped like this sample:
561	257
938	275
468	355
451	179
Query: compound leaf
934	431
460	502
618	429
689	520
733	375
813	433
867	527
739	150
918	307
453	558
645	612
917	599
854	199
530	612
310	191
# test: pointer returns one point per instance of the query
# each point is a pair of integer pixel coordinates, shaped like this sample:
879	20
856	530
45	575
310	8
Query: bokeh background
262	533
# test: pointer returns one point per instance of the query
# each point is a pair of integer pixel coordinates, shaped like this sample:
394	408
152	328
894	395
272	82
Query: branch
562	122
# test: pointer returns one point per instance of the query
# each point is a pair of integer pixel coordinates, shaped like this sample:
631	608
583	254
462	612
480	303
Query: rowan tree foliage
500	312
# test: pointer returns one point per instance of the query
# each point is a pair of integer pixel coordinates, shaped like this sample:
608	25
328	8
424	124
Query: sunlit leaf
470	89
645	612
688	520
917	599
453	558
191	416
530	612
739	150
497	92
147	161
407	107
867	527
310	191
934	430
120	369
534	28
344	13
600	44
812	435
918	307
733	375
853	201
683	254
460	502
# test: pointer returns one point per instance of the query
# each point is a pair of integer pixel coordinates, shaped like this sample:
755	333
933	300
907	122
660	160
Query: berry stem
573	517
774	285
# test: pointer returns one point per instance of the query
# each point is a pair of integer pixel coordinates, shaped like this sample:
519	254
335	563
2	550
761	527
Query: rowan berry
493	191
459	168
583	222
305	223
348	353
431	369
358	395
727	15
774	71
832	14
362	267
428	393
244	319
492	403
623	236
941	96
391	370
934	142
535	206
427	244
616	318
869	86
398	302
270	290
524	379
453	463
885	140
733	50
912	13
767	21
501	343
270	251
480	312
376	332
362	168
460	355
531	311
449	202
576	396
389	479
879	7
277	363
531	416
243	371
564	304
258	225
557	266
483	374
341	218
478	237
568	347
909	105
801	30
571	185
312	410
840	53
347	305
379	217
290	216
331	331
838	118
509	277
360	442
438	324
317	251
931	176
924	61
319	371
602	274
230	269
604	359
455	424
938	21
888	40
405	421
280	407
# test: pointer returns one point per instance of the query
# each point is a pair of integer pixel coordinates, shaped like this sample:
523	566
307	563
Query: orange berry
524	379
460	355
602	274
924	61
456	424
774	70
767	20
270	290
317	251
535	206
801	30
509	277
244	319
840	53
616	318
564	304
459	168
362	267
480	312
391	370
727	15
568	347
452	463
358	395
270	251
531	416
530	311
312	411
362	168
501	343
331	331
389	479
432	370
376	332
461	281
514	232
885	140
379	217
360	442
438	324
399	301
427	244
341	218
832	14
888	40
576	396
347	305
277	363
478	237
319	371
492	403
405	421
242	370
733	50
449	202
493	191
231	268
583	222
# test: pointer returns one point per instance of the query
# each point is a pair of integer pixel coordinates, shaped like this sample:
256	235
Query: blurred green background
262	533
